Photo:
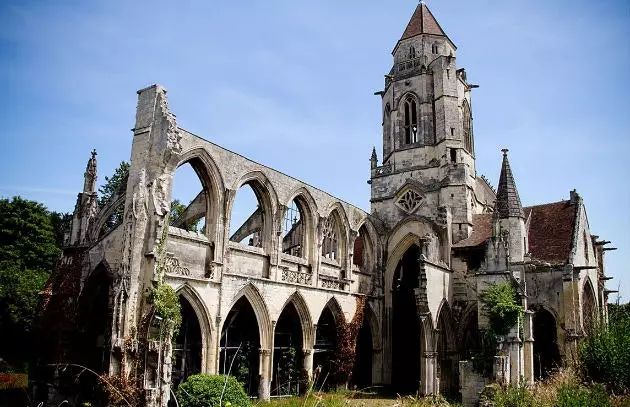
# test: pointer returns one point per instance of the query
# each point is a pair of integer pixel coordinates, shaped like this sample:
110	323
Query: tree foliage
177	209
604	355
30	240
501	305
114	185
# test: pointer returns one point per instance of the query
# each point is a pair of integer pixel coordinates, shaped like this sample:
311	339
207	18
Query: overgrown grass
356	399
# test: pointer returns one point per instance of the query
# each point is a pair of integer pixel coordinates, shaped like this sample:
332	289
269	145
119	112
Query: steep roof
550	231
422	22
508	203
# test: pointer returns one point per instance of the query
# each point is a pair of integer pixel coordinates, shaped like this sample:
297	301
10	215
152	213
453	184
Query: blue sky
290	84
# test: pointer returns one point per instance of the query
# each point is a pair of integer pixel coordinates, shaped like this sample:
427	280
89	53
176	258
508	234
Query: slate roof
508	203
550	231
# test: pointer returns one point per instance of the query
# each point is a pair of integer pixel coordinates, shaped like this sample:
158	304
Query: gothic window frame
412	52
467	132
435	48
410	120
330	238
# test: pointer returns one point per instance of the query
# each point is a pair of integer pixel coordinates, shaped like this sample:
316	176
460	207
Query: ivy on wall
347	334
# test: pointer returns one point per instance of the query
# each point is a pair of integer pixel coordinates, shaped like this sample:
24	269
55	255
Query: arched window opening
546	353
324	351
239	346
187	345
406	330
247	221
447	363
287	353
586	257
412	52
363	251
330	242
411	121
435	49
293	228
113	220
190	200
362	369
467	126
589	309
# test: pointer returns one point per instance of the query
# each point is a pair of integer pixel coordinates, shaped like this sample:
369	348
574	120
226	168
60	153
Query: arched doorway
406	329
287	353
324	351
362	369
187	347
239	346
546	353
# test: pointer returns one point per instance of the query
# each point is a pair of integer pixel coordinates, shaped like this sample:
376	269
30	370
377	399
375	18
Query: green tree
30	238
114	185
177	209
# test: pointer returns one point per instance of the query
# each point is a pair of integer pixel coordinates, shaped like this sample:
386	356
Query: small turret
509	219
86	206
373	159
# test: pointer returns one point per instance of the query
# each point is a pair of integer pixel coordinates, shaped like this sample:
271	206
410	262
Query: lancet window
467	125
330	242
411	121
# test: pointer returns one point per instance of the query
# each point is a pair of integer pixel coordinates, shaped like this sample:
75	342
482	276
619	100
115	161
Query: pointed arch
335	308
375	327
467	127
396	255
255	299
104	214
263	188
589	306
308	219
334	230
305	317
203	317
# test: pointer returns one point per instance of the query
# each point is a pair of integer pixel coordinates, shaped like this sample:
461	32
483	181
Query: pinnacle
508	203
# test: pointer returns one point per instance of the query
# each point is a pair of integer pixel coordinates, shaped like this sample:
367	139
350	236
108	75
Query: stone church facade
408	273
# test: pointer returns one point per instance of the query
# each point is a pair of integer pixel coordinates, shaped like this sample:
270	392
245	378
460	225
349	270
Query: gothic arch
203	317
335	308
404	97
212	183
338	214
308	205
467	134
305	317
589	306
395	256
103	215
255	299
267	198
375	326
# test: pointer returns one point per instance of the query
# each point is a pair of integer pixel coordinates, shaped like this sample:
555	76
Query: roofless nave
279	288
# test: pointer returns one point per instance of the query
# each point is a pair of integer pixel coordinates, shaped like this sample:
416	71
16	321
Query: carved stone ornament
409	200
172	266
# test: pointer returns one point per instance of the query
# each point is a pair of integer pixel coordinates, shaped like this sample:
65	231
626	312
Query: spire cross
505	151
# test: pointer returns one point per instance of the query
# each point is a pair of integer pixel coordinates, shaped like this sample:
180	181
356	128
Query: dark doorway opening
187	347
324	352
546	353
240	344
406	330
362	369
287	353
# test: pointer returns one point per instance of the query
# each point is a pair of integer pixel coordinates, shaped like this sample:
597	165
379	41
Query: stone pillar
528	348
264	387
501	369
427	372
307	364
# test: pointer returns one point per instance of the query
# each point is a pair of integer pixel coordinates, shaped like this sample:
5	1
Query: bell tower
428	144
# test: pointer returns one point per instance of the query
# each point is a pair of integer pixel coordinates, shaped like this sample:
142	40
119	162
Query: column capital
265	352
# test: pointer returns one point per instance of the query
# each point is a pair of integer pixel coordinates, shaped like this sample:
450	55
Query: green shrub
578	396
205	391
604	356
514	396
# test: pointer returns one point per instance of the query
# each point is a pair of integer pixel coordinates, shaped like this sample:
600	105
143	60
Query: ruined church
270	300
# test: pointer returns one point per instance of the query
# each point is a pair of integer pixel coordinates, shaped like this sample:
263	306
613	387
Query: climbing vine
347	334
500	303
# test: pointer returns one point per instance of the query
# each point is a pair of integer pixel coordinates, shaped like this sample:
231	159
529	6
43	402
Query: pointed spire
508	203
373	158
89	183
422	22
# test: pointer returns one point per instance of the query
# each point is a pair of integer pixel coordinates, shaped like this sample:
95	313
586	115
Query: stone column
307	365
528	348
427	372
264	387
